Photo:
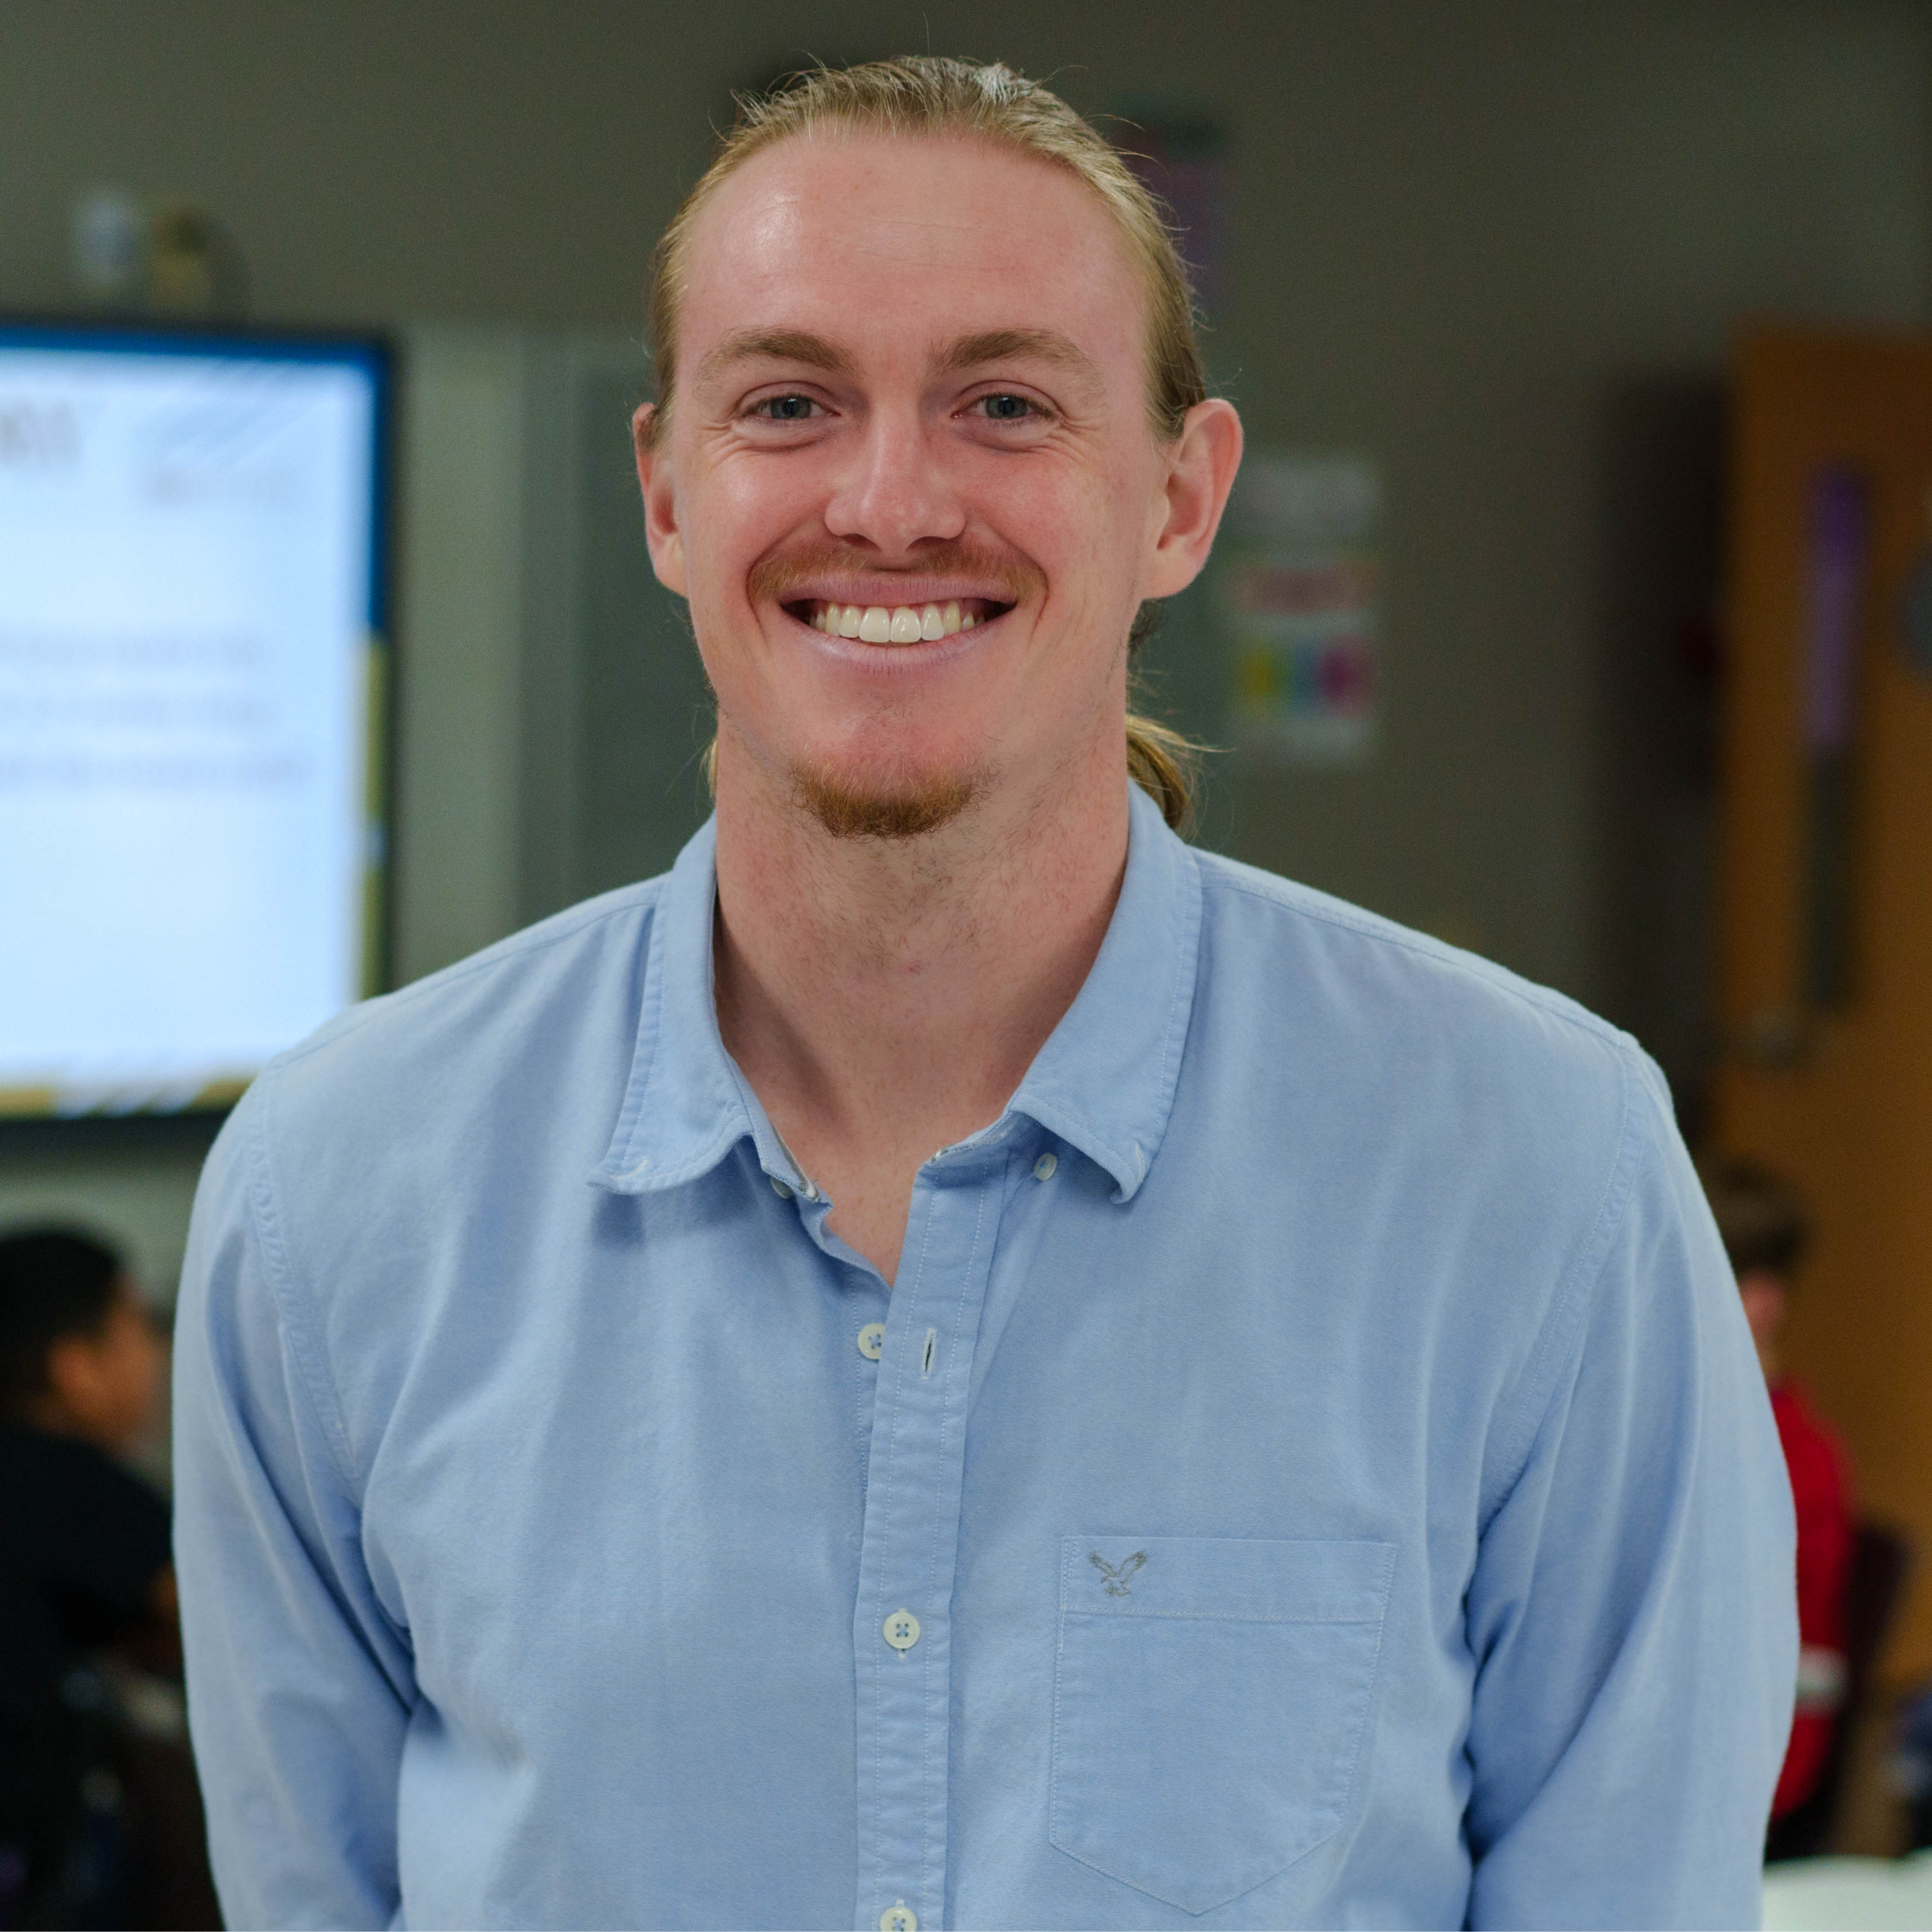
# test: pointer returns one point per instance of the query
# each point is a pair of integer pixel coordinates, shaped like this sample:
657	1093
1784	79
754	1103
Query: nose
897	493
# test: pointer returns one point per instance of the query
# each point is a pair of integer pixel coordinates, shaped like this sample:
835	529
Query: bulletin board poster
1299	573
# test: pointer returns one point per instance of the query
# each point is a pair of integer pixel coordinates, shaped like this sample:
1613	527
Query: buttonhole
931	1349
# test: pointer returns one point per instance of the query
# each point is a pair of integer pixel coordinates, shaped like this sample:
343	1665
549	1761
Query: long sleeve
1632	1610
299	1685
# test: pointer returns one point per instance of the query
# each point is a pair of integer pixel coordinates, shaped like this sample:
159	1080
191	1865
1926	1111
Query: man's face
912	378
105	1383
1763	1291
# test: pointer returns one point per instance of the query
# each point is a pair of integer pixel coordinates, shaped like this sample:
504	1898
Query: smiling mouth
896	623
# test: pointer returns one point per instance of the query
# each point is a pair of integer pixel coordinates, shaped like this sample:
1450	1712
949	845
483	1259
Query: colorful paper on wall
1299	572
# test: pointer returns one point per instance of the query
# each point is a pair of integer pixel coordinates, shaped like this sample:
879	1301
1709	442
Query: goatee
846	812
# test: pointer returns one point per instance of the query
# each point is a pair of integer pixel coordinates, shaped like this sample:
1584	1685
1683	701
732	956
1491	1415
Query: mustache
1007	578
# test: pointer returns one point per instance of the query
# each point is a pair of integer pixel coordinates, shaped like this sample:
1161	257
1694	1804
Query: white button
779	1187
872	1340
899	1918
1042	1169
902	1630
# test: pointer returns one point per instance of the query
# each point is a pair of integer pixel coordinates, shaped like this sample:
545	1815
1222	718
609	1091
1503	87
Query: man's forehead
914	190
832	238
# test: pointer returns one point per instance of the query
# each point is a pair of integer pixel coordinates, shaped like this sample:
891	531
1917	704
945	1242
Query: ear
662	531
1201	465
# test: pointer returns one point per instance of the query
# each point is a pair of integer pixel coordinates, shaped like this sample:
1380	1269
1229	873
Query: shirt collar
1104	1082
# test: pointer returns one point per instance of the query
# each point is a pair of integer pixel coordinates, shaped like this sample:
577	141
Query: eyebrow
1003	345
967	352
775	345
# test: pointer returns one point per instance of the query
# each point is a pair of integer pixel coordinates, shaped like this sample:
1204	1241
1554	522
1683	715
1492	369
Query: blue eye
1007	408
786	409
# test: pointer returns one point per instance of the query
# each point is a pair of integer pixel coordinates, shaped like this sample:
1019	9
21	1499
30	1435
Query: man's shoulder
503	1032
1367	964
56	1489
1338	1011
510	983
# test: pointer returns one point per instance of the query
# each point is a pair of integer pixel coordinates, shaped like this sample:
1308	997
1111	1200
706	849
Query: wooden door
1826	913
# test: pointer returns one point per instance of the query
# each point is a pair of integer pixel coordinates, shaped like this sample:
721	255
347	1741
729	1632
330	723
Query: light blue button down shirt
1313	1470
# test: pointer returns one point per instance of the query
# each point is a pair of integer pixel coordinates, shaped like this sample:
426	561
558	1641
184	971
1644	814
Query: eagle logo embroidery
1117	1579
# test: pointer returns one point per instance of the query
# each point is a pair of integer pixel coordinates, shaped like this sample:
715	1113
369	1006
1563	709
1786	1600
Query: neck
884	998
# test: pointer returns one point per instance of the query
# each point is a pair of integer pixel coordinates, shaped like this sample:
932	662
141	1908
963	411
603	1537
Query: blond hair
930	94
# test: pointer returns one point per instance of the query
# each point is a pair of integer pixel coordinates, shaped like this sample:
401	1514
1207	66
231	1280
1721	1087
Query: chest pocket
1210	1700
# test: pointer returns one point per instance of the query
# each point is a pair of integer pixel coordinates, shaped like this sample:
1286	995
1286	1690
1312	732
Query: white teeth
896	624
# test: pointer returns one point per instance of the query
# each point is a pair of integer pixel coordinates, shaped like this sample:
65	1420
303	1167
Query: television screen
191	698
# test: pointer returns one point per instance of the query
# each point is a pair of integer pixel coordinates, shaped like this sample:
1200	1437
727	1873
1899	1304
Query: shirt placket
903	1628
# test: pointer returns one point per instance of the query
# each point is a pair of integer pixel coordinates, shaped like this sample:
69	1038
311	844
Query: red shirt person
1763	1226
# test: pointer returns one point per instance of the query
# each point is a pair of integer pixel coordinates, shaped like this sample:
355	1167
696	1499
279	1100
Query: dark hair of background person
1760	1216
53	1281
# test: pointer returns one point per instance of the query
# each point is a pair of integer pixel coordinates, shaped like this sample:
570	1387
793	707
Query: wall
1466	235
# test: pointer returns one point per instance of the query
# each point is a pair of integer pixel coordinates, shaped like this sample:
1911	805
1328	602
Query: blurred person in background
1912	1765
86	1582
1764	1227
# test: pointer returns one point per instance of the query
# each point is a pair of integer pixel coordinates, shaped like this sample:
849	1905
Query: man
1763	1226
83	1565
1292	1454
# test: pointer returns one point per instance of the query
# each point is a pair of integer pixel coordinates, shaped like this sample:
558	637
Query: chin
851	801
